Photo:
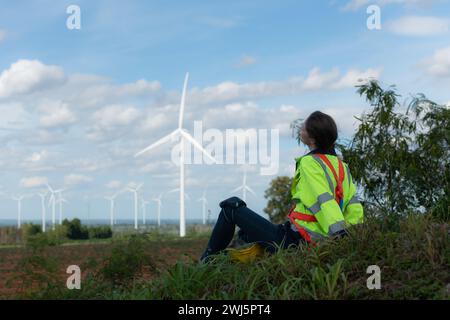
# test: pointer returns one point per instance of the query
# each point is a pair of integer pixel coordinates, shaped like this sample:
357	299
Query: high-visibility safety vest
326	197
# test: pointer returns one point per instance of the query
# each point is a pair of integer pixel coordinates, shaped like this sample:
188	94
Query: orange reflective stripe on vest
339	191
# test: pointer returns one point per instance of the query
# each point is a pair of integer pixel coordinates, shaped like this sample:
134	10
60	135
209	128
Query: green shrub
104	232
38	271
31	229
75	230
126	260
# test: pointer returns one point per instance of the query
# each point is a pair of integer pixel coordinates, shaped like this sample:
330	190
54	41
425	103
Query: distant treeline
68	230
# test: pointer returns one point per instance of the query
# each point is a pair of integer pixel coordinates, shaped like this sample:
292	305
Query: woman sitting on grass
324	193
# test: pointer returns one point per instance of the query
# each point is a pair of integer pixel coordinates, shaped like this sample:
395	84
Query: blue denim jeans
253	228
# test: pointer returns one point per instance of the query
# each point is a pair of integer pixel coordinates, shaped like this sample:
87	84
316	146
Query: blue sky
77	104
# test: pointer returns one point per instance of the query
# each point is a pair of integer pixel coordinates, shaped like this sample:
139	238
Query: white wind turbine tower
144	204
244	187
43	195
135	192
204	203
19	209
52	200
159	202
112	200
184	137
60	202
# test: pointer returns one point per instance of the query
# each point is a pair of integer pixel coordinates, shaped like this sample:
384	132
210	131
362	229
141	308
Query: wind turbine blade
196	144
250	190
158	143
51	199
183	100
237	189
139	186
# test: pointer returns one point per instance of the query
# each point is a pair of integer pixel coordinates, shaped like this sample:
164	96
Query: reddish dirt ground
164	254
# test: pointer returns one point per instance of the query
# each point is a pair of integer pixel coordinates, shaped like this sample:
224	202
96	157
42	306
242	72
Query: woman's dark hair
322	128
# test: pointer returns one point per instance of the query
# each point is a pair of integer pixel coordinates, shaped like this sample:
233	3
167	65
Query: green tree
279	199
432	154
75	230
396	155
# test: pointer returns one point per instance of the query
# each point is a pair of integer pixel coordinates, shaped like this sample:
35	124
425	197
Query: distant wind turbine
204	203
19	209
60	201
43	195
244	187
184	137
112	200
159	202
135	192
186	195
52	201
144	204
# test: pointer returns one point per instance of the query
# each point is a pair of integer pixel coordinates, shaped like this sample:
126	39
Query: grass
413	255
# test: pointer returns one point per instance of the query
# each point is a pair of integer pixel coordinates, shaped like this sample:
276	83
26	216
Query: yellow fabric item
246	255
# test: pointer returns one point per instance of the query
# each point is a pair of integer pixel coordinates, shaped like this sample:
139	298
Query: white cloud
114	184
419	26
243	115
316	80
138	87
345	118
354	77
26	76
159	120
33	182
439	64
56	114
246	61
2	34
353	5
76	179
112	119
115	115
38	156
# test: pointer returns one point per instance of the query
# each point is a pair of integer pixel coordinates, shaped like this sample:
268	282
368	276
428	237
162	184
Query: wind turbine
52	200
184	137
111	208
135	192
19	209
204	203
159	202
60	201
144	204
186	195
244	187
43	195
